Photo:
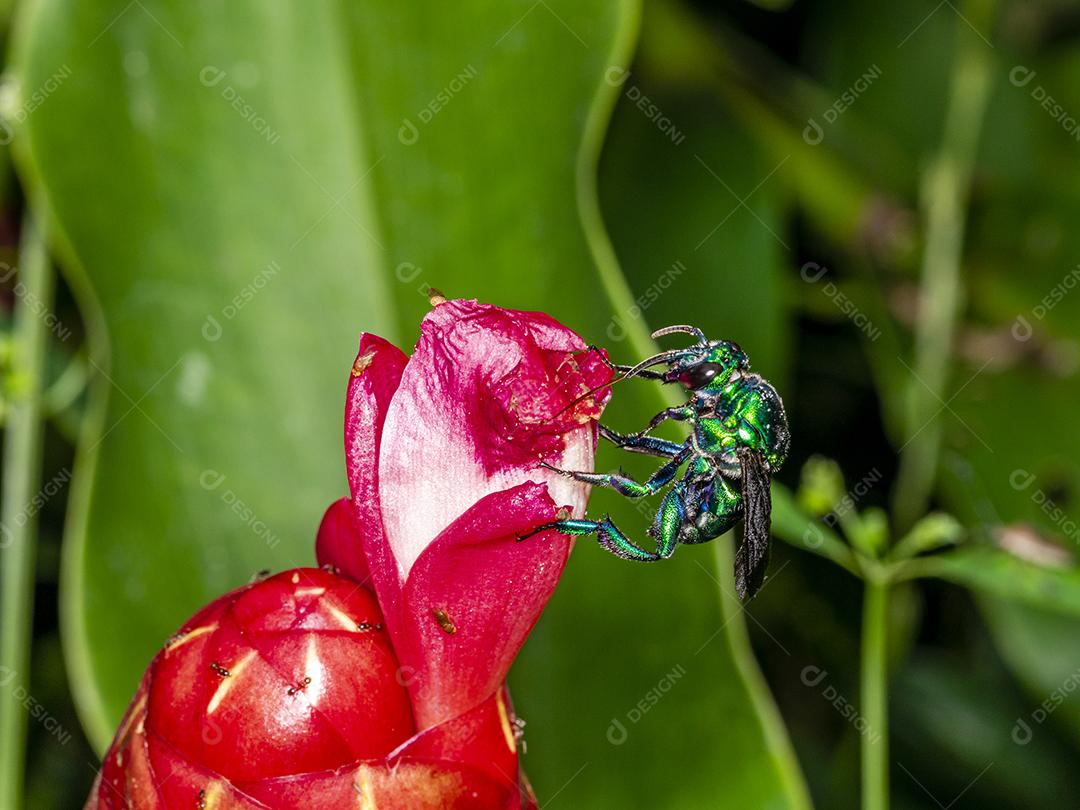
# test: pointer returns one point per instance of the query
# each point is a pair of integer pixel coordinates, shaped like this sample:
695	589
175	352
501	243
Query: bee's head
706	365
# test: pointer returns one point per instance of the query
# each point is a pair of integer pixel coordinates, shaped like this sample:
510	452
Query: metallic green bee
739	438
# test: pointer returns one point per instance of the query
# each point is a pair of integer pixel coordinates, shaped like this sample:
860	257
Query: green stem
944	192
22	456
873	674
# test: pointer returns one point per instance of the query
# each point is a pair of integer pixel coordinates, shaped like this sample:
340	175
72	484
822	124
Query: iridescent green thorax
746	412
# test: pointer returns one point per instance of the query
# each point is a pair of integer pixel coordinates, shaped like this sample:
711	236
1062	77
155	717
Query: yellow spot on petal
435	298
365	795
312	683
340	617
180	641
210	797
227	683
362	363
504	717
295	578
137	713
314	590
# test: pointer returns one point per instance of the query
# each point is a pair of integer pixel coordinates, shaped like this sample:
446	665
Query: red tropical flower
383	685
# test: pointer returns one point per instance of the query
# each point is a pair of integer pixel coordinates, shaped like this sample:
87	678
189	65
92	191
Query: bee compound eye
700	375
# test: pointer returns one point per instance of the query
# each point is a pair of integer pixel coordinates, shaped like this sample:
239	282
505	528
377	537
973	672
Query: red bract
302	690
287	694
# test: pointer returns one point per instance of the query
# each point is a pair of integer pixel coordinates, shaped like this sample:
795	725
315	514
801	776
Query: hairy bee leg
679	414
624	484
608	535
669	523
647	445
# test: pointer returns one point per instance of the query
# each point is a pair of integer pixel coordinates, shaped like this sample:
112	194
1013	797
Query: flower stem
18	526
873	675
944	192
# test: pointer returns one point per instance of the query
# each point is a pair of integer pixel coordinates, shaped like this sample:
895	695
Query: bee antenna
656	359
683	328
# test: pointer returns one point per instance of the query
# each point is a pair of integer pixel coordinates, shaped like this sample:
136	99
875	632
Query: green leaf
1042	647
225	266
418	145
996	572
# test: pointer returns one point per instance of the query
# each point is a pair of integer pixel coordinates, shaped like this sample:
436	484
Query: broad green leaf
226	259
379	150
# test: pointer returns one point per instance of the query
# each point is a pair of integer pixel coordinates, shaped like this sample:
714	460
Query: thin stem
18	524
945	188
873	675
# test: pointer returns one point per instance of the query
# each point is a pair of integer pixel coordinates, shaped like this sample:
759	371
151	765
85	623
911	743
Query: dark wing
752	556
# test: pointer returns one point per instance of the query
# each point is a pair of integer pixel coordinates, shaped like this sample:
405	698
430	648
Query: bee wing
752	556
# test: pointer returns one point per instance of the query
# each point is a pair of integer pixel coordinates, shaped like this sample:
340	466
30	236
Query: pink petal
471	599
375	377
338	543
486	395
